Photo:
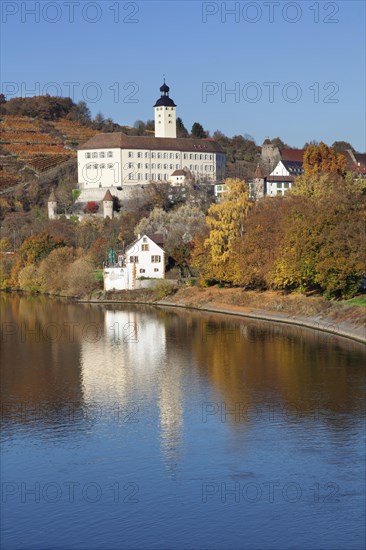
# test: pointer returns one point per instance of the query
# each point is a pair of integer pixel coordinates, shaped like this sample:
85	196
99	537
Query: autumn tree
323	241
255	253
226	222
52	270
33	249
321	159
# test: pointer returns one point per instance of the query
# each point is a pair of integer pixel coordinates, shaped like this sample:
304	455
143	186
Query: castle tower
258	186
270	155
52	206
108	205
165	115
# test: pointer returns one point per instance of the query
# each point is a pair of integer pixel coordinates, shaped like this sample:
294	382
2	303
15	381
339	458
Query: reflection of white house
119	365
143	259
129	376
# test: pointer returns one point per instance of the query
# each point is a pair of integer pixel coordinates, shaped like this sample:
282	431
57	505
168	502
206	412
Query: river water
142	428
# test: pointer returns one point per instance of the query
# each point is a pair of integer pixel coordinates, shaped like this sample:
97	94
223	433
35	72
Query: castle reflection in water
138	363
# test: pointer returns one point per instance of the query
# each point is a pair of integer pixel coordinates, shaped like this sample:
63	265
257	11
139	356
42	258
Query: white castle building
117	161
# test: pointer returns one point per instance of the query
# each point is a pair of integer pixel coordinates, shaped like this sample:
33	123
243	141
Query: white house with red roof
142	261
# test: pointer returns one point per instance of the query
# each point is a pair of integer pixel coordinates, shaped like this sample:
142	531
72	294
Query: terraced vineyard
31	146
73	133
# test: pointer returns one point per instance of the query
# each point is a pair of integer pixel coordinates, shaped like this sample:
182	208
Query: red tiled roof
296	155
158	238
183	172
352	165
118	140
178	173
108	196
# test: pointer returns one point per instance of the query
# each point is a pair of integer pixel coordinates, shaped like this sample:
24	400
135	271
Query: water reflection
146	359
173	401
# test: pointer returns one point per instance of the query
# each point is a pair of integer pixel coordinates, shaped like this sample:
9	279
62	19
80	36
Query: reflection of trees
268	365
254	363
40	365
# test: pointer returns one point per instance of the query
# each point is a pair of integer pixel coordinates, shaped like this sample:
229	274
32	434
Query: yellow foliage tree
226	223
321	159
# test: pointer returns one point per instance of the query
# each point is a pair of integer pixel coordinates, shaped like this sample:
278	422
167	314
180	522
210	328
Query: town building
356	162
142	261
180	177
119	162
283	175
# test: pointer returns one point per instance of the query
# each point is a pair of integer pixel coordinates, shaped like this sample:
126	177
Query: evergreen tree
181	129
198	131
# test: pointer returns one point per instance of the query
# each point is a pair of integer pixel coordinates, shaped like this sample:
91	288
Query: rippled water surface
141	428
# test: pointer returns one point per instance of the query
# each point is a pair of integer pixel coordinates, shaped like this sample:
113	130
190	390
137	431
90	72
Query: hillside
30	146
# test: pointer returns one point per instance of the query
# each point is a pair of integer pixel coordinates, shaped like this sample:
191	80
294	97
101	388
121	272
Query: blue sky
309	56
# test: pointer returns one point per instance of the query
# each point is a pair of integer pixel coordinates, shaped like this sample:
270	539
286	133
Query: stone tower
108	205
258	186
270	155
165	115
52	206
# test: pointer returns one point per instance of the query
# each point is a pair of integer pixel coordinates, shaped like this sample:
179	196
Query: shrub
91	207
30	279
80	277
75	194
164	289
54	268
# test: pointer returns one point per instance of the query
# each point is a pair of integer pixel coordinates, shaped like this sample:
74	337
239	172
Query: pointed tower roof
52	197
164	88
108	196
164	100
258	174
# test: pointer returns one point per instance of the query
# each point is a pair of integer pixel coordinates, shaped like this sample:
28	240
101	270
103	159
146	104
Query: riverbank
339	318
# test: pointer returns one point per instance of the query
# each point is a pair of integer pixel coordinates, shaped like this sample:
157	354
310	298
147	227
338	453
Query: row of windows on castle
153	166
132	176
139	154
